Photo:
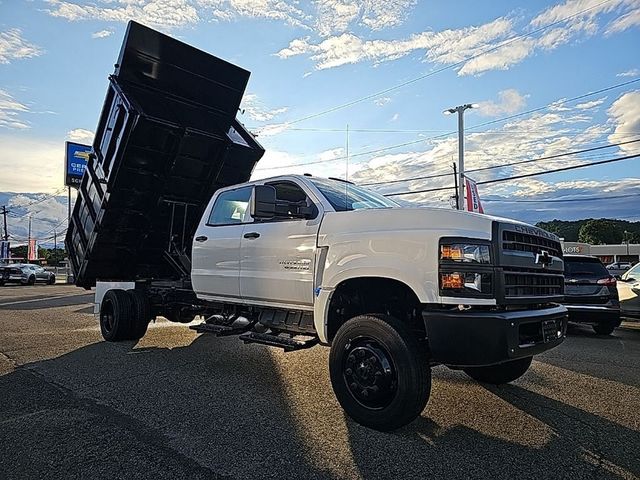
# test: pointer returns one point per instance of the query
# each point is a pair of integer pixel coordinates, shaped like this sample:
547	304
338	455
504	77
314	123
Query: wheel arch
366	295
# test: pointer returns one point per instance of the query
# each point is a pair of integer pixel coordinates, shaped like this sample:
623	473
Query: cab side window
231	207
293	198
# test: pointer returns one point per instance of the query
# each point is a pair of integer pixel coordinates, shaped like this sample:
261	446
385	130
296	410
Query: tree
598	232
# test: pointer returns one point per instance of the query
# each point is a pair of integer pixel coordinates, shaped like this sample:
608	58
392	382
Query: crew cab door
278	255
215	270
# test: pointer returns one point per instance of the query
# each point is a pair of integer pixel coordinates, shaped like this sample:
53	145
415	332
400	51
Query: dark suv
590	293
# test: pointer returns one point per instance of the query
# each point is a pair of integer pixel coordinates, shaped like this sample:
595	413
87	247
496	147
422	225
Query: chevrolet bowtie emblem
543	258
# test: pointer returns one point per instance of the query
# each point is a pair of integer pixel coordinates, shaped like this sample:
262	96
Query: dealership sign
76	158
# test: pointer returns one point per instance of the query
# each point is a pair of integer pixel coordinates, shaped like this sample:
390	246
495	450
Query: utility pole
455	181
460	109
4	214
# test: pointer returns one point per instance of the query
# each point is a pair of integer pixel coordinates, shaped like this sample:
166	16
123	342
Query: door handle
251	235
201	238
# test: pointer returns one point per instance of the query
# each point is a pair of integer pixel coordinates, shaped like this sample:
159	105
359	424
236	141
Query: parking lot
182	405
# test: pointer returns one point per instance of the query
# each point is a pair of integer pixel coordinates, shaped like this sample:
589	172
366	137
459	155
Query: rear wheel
116	314
141	314
379	372
604	328
502	373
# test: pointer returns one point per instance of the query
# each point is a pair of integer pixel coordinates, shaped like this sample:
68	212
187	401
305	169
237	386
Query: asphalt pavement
181	405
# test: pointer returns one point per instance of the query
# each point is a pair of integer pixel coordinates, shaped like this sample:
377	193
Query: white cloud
625	114
81	135
40	168
380	101
159	13
257	111
634	72
10	111
336	16
503	45
395	117
509	101
591	104
449	46
628	20
102	34
227	10
13	46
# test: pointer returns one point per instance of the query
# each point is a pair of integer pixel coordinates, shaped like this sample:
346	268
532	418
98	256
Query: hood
438	222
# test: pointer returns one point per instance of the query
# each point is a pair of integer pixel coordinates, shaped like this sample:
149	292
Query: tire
502	373
141	314
31	280
52	280
604	328
396	393
116	314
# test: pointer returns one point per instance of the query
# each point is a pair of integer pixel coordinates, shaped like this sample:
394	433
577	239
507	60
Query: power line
413	142
547	200
517	177
550	157
442	69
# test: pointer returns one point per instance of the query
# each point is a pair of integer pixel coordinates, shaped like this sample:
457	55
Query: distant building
606	253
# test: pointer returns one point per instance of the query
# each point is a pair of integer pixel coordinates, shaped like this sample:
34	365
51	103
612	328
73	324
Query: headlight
465	253
465	282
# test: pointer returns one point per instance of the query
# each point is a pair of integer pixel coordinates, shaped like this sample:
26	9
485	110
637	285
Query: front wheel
52	280
604	328
31	280
379	372
502	373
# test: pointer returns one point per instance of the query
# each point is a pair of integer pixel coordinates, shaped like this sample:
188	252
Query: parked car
629	292
25	274
590	293
619	266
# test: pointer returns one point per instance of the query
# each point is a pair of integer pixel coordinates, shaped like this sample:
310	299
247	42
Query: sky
382	70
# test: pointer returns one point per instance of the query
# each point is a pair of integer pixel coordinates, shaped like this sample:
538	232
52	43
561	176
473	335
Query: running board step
220	330
287	343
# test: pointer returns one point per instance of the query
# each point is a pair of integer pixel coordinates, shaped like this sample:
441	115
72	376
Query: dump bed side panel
163	146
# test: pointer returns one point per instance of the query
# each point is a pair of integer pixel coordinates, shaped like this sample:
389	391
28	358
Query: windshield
584	267
345	196
633	273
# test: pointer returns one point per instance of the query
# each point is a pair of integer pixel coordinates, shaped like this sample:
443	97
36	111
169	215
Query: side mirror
263	202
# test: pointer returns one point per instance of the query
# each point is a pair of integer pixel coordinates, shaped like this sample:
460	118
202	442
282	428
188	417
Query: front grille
520	282
523	242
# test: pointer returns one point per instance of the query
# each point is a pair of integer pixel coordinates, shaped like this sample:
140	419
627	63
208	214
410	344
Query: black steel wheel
604	328
141	314
379	372
501	373
116	312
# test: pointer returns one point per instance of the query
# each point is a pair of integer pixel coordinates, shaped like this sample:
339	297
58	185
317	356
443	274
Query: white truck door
215	266
278	256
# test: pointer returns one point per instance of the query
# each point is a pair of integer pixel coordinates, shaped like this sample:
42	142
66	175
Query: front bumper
594	314
479	337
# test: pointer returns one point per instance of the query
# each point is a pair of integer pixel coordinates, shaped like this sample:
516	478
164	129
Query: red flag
33	250
473	198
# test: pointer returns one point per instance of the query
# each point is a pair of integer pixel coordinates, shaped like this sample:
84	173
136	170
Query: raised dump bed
166	141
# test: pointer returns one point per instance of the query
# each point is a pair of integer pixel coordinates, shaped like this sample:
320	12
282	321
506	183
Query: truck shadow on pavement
217	409
582	445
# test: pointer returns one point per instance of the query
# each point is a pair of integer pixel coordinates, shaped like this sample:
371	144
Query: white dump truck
168	224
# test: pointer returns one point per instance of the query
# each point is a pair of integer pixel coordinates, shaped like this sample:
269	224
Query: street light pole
460	109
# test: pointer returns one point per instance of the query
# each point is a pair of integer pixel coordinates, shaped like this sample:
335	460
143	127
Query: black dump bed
166	141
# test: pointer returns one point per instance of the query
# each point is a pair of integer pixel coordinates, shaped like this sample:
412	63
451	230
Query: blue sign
77	156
